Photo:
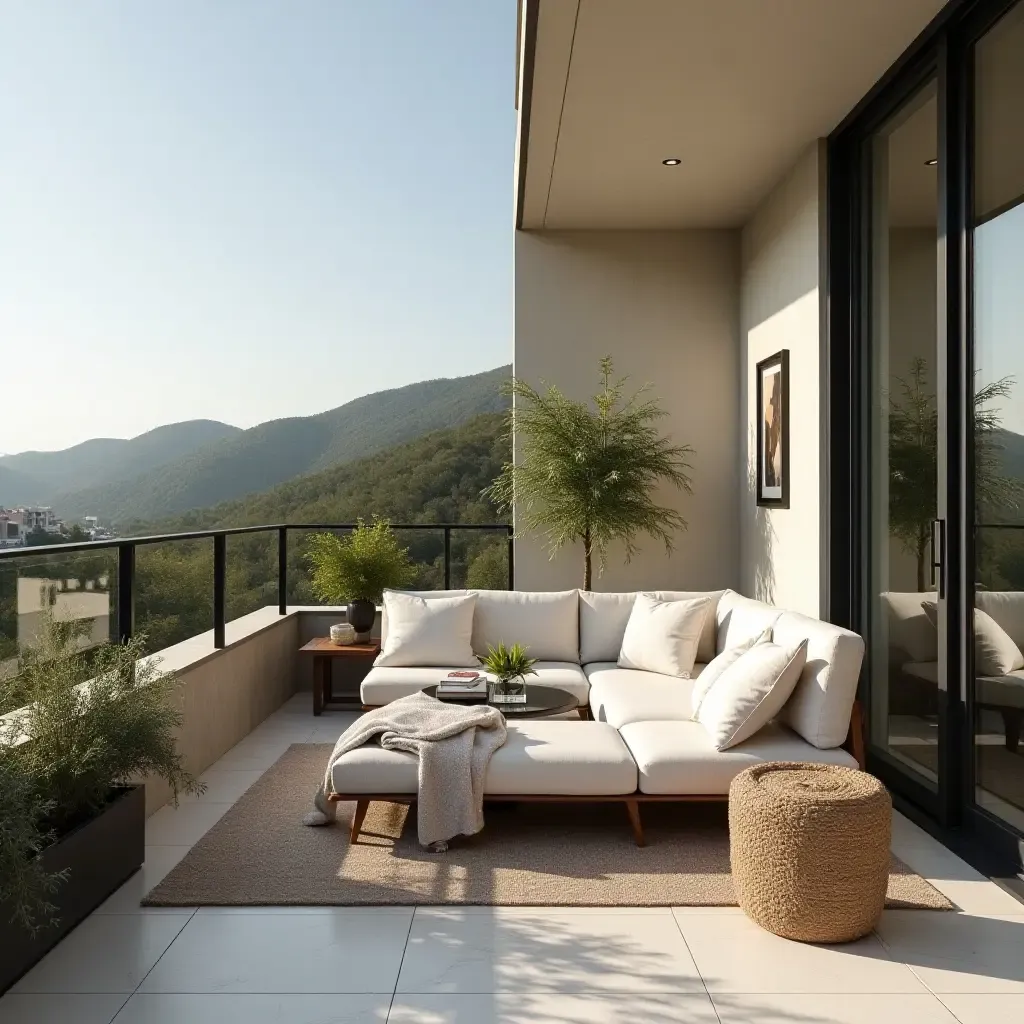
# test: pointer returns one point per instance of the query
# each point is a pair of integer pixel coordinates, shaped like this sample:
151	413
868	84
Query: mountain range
202	463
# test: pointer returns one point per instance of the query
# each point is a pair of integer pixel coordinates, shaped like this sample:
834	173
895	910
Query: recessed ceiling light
672	161
931	163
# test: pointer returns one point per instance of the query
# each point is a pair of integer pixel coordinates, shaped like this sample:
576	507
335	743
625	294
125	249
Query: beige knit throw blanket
454	745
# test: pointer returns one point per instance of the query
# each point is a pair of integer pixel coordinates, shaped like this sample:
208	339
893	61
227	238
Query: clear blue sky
247	209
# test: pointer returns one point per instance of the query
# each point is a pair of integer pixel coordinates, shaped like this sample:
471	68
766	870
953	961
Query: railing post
125	592
447	558
282	570
511	563
220	565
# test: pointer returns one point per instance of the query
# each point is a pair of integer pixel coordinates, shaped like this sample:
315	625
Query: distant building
12	535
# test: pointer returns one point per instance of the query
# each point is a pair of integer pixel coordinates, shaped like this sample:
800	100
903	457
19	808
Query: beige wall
664	305
782	304
227	693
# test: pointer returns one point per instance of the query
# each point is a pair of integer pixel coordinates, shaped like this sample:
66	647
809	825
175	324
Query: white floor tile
481	953
250	1009
60	1009
735	955
105	953
553	1008
159	861
280	953
224	786
291	911
460	913
183	825
828	1009
958	952
986	1009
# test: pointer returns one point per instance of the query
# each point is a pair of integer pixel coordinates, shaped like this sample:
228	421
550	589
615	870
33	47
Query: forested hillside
95	463
255	460
432	479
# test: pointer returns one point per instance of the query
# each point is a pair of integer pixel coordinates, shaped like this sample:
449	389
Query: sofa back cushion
427	595
422	632
741	619
1007	608
603	619
820	707
546	623
912	637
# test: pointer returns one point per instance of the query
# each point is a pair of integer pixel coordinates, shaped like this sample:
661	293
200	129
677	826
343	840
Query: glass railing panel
173	591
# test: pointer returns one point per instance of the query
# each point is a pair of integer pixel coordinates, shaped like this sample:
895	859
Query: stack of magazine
463	685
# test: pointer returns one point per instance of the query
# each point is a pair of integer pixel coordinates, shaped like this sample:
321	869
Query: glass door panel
905	669
998	443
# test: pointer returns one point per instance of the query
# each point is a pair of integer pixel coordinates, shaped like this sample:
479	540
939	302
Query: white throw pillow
663	636
995	653
424	633
714	669
751	692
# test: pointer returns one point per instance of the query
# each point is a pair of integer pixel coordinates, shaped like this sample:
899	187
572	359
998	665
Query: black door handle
939	556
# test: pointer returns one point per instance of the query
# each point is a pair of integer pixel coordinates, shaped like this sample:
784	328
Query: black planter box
100	856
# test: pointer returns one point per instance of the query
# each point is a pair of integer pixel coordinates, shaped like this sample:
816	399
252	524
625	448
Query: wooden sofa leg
357	819
584	712
633	810
856	738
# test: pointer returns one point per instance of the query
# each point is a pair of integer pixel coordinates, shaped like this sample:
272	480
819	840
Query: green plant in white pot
509	666
356	569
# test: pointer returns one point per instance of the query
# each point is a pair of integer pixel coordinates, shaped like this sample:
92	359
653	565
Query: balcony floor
476	965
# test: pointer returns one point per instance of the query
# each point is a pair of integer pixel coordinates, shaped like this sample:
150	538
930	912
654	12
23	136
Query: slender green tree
914	456
585	471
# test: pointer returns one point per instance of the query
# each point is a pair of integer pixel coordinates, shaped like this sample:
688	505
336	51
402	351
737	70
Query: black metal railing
126	547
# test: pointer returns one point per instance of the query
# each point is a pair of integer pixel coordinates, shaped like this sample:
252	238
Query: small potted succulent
356	569
509	666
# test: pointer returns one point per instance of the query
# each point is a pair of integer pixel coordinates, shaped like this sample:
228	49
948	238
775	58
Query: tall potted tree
356	569
585	472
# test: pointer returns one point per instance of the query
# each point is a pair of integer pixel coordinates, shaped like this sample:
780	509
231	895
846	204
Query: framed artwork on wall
772	412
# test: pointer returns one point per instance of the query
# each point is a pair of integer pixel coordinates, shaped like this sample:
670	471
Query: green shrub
359	566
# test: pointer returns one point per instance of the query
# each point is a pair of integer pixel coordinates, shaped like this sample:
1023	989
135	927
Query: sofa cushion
663	636
427	595
422	632
751	692
995	653
603	619
739	619
383	685
546	624
820	707
1007	608
911	636
1004	692
621	695
717	666
539	757
678	758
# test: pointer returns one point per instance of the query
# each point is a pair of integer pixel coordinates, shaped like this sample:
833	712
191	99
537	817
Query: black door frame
943	51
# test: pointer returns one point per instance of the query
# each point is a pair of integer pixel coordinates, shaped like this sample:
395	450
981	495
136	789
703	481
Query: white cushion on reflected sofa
1007	608
679	758
622	695
539	757
547	624
383	685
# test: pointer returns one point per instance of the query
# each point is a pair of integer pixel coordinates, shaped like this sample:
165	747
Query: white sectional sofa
642	743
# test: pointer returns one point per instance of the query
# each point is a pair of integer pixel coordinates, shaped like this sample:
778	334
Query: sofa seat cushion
926	670
621	695
383	685
1001	691
539	758
679	758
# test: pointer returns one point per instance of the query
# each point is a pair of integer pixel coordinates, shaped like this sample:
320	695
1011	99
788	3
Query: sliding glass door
997	244
903	439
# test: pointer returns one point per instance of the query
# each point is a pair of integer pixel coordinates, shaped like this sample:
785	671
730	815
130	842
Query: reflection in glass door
998	443
904	440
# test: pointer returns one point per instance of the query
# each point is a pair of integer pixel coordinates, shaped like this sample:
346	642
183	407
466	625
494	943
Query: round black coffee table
541	702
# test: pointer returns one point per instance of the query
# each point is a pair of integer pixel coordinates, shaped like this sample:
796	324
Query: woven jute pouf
809	845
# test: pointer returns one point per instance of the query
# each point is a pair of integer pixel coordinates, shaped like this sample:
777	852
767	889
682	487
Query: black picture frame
773	470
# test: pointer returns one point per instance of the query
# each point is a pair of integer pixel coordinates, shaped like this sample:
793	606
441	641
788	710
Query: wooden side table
356	658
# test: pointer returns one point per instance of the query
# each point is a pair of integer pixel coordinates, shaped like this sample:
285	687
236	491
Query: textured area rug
260	854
